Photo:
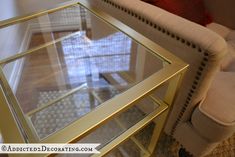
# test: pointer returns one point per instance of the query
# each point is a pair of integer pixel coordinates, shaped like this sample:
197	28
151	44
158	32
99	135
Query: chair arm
215	117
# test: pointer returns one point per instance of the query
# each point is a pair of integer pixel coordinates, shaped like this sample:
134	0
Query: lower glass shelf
120	123
135	146
129	132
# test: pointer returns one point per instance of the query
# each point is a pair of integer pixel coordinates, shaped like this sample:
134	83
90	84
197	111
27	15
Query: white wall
12	37
8	9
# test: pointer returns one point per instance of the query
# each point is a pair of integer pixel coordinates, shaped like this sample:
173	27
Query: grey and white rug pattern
60	114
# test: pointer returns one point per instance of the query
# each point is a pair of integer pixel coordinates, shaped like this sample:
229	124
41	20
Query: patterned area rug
225	148
71	108
62	113
167	147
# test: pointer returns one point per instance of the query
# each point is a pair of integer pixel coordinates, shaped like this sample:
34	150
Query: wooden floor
40	70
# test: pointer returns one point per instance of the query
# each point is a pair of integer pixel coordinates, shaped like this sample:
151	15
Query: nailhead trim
193	88
183	41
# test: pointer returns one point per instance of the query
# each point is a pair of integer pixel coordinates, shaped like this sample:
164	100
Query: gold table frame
173	73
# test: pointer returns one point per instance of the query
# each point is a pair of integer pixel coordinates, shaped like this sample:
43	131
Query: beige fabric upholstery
210	129
215	117
219	29
229	58
231	66
223	87
193	141
198	46
222	12
231	36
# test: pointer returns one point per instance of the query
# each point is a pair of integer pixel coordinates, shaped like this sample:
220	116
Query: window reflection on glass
85	57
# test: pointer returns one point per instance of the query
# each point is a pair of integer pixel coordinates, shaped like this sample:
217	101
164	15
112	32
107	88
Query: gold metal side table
83	76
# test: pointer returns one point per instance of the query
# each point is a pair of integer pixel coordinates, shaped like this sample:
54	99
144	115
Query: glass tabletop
71	63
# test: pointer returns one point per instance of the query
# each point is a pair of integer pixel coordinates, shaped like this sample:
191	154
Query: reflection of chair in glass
198	126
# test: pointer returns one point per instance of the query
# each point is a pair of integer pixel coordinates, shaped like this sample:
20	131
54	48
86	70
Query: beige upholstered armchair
204	112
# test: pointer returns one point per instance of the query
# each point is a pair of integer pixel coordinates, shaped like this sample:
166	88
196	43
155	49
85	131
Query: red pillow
192	10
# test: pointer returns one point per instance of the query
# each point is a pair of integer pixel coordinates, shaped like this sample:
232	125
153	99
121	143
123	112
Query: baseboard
31	29
18	65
